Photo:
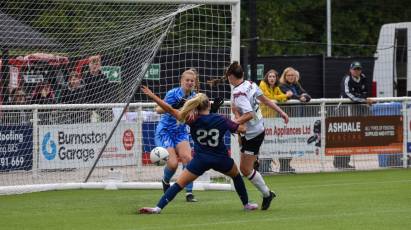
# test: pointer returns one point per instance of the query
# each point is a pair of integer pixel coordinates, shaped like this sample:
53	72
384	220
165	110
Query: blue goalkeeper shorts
170	139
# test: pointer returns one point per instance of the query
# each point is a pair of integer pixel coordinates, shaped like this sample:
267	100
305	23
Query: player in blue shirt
173	135
207	130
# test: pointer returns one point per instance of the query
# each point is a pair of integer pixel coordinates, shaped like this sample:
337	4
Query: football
159	156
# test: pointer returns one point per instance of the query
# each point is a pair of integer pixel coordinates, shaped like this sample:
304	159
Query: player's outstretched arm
274	106
159	110
166	107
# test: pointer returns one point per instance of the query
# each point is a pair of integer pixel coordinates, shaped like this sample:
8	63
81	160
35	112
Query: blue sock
168	173
240	188
169	195
189	186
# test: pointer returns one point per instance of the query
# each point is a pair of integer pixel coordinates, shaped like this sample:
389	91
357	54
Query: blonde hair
188	71
192	72
197	84
200	102
289	69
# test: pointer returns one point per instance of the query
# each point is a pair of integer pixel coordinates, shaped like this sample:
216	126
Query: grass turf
350	200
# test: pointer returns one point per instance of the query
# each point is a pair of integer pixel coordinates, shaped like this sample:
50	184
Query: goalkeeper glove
217	103
180	103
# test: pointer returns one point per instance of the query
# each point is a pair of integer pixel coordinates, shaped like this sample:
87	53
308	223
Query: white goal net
69	70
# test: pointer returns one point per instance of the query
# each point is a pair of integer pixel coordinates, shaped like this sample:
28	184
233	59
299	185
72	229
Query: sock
169	195
257	180
189	186
168	173
240	188
157	209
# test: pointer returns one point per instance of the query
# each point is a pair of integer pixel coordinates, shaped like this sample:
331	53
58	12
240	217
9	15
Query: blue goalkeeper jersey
176	98
208	133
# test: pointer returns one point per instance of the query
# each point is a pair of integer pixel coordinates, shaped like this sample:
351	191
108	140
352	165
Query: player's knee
245	170
172	164
185	159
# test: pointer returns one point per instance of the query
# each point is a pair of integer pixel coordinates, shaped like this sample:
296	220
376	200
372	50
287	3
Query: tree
298	27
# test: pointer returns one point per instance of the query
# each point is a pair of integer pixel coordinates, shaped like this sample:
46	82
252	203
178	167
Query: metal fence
323	135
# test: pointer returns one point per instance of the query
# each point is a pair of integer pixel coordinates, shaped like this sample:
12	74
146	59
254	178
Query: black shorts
252	146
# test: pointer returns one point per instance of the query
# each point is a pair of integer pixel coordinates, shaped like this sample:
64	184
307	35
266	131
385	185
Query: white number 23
208	138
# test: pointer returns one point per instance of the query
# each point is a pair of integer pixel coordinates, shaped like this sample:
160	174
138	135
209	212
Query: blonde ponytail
199	102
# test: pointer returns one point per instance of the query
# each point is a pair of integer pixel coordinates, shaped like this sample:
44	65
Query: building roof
15	34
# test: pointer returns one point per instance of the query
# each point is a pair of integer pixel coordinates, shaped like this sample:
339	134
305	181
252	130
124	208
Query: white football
159	156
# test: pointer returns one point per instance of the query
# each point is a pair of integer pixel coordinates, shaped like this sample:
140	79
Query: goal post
71	70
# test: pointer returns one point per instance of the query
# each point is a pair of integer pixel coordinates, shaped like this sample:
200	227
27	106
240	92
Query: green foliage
352	200
298	27
293	27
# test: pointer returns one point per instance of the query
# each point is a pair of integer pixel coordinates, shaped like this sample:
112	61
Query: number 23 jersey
208	133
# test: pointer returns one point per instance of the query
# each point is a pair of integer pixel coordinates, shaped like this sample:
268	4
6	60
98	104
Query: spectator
290	85
270	88
18	97
97	89
73	93
97	86
43	94
353	86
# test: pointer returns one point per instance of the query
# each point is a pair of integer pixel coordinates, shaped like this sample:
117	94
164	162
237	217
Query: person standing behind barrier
270	88
98	89
173	135
44	94
290	85
96	84
73	93
18	117
353	86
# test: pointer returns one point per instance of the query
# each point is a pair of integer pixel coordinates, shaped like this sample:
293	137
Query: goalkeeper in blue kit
173	135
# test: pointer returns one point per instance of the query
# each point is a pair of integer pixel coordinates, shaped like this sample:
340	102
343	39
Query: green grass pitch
350	200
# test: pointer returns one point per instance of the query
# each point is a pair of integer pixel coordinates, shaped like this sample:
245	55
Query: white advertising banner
409	128
78	145
300	137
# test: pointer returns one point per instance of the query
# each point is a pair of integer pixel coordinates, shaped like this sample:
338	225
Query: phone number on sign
11	161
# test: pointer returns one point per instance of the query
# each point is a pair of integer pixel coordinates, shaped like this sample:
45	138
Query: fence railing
322	135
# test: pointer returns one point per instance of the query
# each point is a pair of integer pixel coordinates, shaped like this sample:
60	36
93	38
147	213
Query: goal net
69	70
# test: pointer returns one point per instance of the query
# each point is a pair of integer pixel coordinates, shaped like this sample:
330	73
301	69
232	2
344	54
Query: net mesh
97	53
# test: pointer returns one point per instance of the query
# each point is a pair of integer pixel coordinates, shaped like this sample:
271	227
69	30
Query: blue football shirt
173	98
208	133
